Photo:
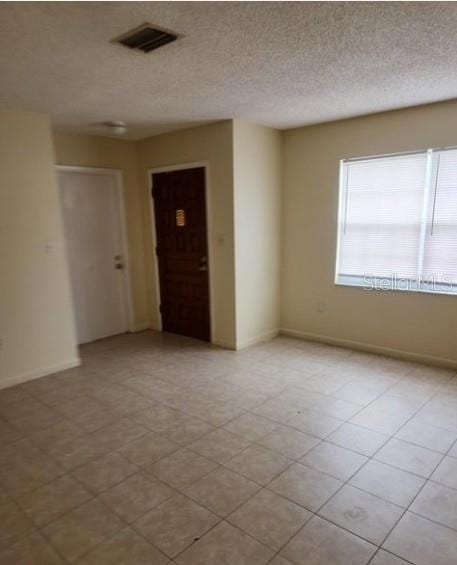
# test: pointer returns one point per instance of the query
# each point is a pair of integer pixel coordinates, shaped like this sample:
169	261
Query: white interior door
92	223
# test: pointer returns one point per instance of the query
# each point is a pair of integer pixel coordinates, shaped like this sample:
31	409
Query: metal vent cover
146	38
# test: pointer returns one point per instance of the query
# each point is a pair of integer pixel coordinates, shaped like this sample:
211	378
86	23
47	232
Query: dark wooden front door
180	218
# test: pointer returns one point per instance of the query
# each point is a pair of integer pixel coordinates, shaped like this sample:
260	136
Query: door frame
166	169
129	321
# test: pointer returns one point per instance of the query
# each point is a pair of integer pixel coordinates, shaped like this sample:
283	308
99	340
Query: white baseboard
140	327
266	336
224	344
370	348
38	373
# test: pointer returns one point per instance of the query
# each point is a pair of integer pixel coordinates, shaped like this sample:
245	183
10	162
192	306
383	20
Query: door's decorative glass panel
180	218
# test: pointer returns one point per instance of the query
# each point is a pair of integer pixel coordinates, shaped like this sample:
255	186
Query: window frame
386	283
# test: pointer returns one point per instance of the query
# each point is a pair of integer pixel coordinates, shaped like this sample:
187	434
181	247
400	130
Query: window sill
377	284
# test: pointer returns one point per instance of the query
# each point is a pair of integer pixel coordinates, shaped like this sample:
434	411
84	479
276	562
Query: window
397	225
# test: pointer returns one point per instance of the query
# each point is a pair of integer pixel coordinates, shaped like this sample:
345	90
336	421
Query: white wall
418	325
36	317
257	211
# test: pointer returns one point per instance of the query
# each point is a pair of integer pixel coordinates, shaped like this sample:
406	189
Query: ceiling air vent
146	38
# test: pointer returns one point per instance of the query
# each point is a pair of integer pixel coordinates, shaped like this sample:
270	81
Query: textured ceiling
279	64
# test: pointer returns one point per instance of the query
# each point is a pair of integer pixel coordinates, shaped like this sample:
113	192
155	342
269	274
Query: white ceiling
279	64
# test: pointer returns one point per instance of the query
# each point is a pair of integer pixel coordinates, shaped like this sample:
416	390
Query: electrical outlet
321	307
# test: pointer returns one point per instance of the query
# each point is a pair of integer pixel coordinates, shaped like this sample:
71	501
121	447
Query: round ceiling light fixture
117	127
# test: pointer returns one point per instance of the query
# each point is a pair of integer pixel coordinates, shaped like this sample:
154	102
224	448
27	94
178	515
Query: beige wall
257	155
36	317
211	144
103	152
425	325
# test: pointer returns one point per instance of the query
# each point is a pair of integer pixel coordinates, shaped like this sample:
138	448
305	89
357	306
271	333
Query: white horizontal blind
440	255
380	223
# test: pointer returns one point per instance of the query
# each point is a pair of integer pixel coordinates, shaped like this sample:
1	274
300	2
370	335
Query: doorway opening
95	237
181	240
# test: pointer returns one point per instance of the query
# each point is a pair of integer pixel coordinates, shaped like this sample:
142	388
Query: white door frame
167	169
129	321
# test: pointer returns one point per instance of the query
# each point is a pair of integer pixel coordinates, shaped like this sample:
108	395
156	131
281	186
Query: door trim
117	175
167	169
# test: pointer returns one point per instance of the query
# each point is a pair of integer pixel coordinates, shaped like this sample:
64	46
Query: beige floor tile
105	472
20	478
386	558
278	560
119	433
87	413
338	408
46	384
76	533
387	482
160	418
4	498
422	542
219	445
355	438
323	543
359	392
428	436
453	450
40	420
380	420
315	423
259	464
228	545
25	408
361	513
78	451
305	486
222	491
269	518
147	449
189	430
334	460
18	452
182	468
9	433
221	413
446	473
53	500
124	548
409	457
31	550
440	411
134	496
251	426
14	524
13	394
438	503
131	405
289	442
58	433
175	524
151	401
60	395
277	410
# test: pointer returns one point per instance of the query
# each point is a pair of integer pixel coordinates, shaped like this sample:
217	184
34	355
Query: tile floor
163	450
